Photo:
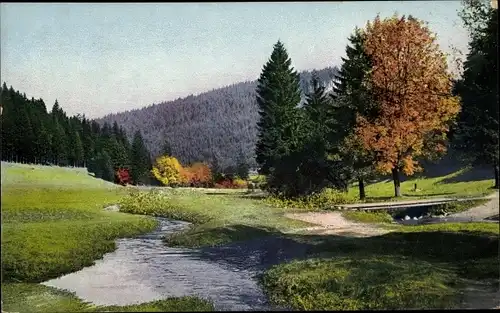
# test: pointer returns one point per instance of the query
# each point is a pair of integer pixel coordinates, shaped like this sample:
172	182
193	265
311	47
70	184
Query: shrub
326	199
159	203
167	170
239	183
196	175
122	177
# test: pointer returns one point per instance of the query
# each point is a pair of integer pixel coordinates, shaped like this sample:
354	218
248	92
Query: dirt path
335	223
486	210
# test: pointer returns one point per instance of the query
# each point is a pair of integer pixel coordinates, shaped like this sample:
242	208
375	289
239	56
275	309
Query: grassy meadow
51	227
448	186
53	223
420	267
428	187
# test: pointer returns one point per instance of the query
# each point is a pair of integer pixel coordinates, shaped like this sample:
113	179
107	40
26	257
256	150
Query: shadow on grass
223	193
471	175
270	247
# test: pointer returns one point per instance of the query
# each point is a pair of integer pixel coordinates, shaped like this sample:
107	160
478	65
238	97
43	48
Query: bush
227	183
158	203
326	199
239	183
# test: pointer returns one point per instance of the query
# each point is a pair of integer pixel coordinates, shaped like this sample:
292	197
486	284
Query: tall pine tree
140	160
351	97
278	95
477	135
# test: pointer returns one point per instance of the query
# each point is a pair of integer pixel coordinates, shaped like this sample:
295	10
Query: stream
144	269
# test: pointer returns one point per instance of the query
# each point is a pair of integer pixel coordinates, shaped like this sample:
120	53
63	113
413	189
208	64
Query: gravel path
486	210
335	223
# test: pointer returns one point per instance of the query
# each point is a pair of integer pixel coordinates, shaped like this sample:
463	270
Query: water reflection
143	269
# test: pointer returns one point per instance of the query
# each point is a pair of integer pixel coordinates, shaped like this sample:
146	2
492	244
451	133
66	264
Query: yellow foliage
239	183
167	170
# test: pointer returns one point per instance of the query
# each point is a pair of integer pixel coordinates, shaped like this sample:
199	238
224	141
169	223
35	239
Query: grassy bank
19	297
216	219
53	223
417	267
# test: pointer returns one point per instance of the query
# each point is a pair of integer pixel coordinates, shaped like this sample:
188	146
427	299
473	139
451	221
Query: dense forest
31	134
215	127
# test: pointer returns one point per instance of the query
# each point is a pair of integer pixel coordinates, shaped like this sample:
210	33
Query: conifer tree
477	135
242	166
351	98
140	160
278	94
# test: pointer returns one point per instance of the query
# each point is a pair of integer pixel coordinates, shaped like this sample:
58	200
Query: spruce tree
313	163
76	149
278	94
119	155
106	167
242	166
351	97
8	116
140	160
166	148
59	144
477	135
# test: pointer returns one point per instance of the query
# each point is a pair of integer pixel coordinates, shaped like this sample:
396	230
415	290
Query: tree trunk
397	183
496	177
361	184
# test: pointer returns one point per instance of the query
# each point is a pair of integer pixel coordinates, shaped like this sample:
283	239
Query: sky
99	58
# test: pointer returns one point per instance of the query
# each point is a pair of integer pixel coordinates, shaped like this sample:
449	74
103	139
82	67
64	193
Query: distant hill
217	124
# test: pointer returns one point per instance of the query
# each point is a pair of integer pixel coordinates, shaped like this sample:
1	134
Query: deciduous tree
412	87
167	170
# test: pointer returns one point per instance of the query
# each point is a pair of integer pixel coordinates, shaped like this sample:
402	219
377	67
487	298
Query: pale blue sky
101	58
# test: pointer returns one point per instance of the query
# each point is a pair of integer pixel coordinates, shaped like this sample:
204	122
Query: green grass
417	267
412	267
369	283
20	297
427	188
53	223
368	217
479	228
216	219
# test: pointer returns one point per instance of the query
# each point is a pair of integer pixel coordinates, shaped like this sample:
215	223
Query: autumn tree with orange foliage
196	175
413	89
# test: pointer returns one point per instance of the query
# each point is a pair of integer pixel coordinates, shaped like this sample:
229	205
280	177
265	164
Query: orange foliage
410	83
198	174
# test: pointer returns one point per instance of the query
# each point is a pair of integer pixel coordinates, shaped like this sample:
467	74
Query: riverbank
336	268
53	223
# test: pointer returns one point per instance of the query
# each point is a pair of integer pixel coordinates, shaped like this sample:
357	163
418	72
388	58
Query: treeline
31	134
394	105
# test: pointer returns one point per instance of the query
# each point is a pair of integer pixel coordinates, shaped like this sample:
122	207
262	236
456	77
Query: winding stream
144	269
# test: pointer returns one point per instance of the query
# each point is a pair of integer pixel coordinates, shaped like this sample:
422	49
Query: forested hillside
213	126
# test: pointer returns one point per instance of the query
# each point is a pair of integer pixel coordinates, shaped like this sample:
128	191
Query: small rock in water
407	217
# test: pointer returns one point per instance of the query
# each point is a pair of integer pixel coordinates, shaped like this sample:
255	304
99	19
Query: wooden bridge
406	204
